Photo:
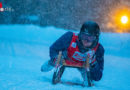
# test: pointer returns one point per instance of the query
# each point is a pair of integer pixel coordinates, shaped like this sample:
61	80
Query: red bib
74	54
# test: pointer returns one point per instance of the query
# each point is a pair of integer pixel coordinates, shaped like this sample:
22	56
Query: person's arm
97	69
61	44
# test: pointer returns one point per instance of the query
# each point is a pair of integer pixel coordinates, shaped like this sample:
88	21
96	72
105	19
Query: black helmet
91	28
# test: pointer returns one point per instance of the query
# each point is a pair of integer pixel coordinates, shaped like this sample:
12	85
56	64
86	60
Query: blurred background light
124	19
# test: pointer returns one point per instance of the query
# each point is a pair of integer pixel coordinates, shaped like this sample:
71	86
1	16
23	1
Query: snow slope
24	48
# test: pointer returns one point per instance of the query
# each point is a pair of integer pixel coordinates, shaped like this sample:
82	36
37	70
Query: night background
67	14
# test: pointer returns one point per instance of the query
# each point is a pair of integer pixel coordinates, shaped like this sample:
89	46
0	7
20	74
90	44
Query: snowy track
23	49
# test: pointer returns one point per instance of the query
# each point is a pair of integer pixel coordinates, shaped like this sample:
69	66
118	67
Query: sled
60	67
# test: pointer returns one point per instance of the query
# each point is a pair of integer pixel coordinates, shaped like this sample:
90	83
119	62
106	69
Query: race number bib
82	56
79	56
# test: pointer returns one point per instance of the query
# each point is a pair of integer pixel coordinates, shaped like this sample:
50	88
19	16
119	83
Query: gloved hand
64	54
92	60
53	60
92	57
90	54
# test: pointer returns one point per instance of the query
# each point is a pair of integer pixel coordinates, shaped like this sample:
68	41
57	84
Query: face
87	39
86	43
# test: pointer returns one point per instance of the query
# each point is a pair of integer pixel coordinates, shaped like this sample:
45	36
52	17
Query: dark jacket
63	43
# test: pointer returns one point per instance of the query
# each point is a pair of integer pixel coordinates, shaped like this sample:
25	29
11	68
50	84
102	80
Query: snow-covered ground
24	48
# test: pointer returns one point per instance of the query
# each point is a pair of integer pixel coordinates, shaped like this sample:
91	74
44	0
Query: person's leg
87	78
84	75
47	66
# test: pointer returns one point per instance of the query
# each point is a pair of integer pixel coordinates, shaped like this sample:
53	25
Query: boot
46	67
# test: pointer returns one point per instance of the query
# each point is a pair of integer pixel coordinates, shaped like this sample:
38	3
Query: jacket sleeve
97	69
61	44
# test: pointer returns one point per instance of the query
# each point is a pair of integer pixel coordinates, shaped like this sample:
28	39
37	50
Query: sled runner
60	67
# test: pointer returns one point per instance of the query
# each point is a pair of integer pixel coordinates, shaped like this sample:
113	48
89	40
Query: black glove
65	54
53	60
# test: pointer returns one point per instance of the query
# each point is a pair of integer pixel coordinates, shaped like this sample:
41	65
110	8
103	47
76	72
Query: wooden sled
60	67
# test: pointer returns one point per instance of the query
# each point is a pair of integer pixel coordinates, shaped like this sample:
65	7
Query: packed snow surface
24	48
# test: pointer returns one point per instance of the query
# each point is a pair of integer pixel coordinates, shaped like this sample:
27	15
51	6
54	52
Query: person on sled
75	47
